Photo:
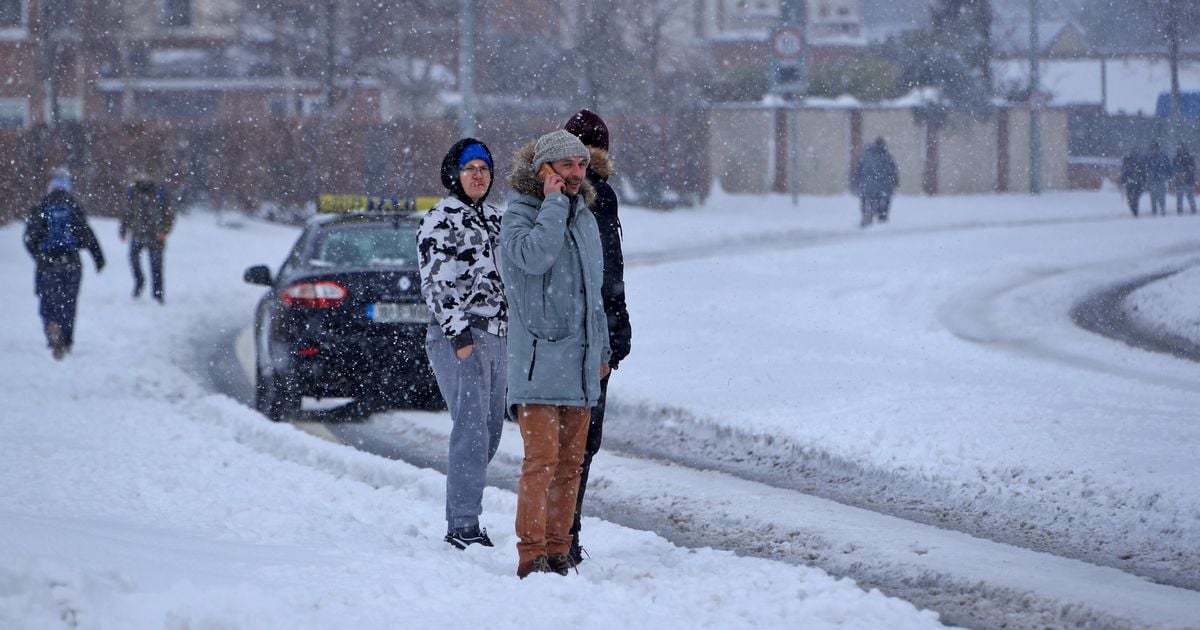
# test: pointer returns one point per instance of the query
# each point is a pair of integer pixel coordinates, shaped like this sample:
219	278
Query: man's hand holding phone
551	181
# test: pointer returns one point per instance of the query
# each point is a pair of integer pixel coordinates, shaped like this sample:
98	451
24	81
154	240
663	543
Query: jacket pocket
546	313
558	368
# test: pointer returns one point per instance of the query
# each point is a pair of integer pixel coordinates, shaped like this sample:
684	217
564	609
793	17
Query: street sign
787	44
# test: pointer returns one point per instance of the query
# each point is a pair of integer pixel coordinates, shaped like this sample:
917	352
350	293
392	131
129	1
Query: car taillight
314	295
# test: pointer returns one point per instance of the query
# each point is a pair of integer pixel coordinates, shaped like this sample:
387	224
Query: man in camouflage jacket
466	341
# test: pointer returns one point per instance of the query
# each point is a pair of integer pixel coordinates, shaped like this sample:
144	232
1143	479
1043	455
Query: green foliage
953	55
744	84
869	79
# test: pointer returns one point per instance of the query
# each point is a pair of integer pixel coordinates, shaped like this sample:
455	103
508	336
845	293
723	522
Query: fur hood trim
601	164
524	180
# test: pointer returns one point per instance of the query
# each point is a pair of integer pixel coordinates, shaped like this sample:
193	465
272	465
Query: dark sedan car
344	317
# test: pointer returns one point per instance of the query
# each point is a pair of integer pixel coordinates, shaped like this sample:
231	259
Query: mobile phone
547	171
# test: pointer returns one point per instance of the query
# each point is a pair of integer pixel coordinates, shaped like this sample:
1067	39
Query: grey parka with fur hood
553	267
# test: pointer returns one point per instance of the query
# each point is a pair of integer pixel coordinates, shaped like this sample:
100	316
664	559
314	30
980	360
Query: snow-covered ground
935	352
1172	305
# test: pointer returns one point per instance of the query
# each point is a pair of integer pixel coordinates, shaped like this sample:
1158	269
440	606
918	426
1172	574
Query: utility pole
48	24
466	67
330	52
789	79
1035	104
1172	20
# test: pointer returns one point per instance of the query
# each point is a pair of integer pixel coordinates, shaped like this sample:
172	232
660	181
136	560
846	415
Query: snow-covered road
928	370
901	557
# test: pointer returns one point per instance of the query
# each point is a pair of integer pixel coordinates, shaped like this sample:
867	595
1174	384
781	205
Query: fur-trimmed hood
601	164
524	179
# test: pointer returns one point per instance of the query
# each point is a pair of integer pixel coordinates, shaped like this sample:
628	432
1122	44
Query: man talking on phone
552	264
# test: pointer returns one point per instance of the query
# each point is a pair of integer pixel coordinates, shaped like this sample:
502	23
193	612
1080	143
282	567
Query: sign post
789	77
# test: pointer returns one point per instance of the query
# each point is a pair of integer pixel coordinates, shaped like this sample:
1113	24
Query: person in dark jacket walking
146	221
552	263
593	132
465	342
55	231
1133	178
875	179
1158	173
1184	180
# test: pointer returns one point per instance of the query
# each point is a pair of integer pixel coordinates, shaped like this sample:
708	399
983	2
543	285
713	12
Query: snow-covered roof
1128	85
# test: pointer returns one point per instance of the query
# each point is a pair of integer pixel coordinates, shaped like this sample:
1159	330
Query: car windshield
380	245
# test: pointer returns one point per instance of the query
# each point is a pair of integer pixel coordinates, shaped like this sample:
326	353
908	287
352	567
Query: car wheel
276	395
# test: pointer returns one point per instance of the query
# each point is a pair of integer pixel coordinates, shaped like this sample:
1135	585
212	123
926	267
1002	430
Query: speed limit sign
787	43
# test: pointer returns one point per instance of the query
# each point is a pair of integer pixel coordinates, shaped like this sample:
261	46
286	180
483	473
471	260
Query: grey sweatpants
474	390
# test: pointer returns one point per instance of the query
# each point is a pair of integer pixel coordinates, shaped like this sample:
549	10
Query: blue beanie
59	184
475	151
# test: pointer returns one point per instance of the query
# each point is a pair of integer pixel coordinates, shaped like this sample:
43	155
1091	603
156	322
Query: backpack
60	233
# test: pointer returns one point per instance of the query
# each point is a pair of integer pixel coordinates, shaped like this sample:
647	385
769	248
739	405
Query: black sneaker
464	537
560	563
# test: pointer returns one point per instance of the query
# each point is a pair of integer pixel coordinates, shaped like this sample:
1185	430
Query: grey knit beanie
557	145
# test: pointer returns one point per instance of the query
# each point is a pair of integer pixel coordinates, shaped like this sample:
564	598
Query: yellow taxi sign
333	204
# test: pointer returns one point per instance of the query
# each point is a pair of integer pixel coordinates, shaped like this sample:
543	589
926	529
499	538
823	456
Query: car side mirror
258	274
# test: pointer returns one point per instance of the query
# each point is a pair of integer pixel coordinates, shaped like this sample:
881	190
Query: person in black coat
55	231
1133	178
1184	168
1158	173
874	180
592	130
146	221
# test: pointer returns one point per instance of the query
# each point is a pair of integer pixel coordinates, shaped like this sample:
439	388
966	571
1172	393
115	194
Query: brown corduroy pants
554	438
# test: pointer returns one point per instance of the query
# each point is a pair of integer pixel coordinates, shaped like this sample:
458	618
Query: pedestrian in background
553	267
1158	173
874	180
146	222
465	342
55	231
1133	178
593	132
1184	168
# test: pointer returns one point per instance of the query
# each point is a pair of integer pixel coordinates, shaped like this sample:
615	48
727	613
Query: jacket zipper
533	359
583	376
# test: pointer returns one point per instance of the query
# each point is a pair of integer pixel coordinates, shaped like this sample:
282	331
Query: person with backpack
146	221
55	231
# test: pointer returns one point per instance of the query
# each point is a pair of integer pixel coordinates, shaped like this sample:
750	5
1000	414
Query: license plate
393	313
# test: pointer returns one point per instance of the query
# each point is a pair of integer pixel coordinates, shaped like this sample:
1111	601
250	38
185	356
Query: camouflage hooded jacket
460	278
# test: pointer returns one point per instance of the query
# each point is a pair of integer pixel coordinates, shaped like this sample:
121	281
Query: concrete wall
750	150
742	148
967	157
1054	150
824	150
